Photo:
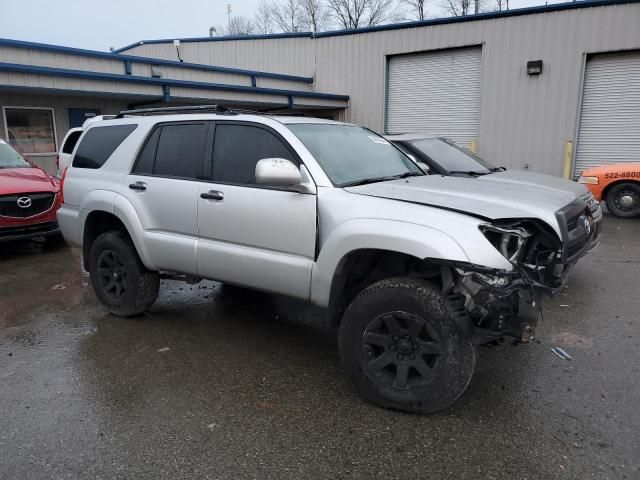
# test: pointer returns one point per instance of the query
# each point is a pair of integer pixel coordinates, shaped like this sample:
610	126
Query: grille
591	201
28	229
40	202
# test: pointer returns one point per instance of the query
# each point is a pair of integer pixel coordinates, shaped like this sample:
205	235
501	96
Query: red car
29	198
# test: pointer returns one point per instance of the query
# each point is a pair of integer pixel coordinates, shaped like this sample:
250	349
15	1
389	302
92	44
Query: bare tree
502	5
286	14
263	20
314	15
459	8
417	7
238	25
383	11
365	13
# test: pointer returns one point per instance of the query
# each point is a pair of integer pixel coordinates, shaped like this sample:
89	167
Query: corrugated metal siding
437	92
524	120
610	114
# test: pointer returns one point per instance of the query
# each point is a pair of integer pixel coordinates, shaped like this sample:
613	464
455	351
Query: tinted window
237	149
350	154
144	165
99	143
181	150
450	156
72	139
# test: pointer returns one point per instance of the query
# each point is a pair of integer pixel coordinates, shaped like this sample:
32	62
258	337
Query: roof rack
184	109
221	109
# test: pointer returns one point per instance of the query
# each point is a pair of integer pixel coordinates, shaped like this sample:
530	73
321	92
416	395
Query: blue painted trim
399	26
266	36
125	97
80	93
63	72
166	93
5	42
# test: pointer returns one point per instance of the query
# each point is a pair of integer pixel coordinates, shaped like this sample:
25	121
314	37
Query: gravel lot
218	382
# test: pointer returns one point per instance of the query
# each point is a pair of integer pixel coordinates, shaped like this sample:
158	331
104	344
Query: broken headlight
510	241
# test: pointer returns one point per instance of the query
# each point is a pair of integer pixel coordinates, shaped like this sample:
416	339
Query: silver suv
417	270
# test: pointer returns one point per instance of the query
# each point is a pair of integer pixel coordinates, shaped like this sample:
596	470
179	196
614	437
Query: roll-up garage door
436	92
609	128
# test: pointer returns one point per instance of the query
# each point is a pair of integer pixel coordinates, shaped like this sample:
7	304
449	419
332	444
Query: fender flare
403	237
123	209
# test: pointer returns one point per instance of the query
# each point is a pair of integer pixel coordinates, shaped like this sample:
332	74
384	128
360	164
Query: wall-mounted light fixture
176	43
534	67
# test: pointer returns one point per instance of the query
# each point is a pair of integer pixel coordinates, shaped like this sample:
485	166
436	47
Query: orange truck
618	184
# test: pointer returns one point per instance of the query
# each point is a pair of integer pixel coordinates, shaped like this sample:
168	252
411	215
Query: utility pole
229	15
477	6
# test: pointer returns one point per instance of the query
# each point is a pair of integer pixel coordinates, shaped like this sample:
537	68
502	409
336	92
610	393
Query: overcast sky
100	24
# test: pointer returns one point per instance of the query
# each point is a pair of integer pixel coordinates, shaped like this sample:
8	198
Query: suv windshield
9	158
352	155
450	157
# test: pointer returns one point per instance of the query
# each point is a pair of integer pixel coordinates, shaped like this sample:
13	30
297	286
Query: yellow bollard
473	146
568	157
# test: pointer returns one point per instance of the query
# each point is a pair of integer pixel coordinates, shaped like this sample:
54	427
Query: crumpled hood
26	180
540	181
481	196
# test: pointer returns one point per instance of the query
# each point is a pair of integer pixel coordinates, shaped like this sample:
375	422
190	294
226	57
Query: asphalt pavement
223	383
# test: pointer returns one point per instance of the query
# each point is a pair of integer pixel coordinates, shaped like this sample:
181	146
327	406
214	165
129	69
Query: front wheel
401	348
623	200
120	280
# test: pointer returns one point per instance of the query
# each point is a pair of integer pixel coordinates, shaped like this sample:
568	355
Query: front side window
30	130
350	154
9	158
450	156
99	143
238	148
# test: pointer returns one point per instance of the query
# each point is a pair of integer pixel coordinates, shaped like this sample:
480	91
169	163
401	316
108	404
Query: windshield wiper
365	181
471	173
498	169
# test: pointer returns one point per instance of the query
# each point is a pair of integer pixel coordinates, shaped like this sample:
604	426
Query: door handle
138	186
212	195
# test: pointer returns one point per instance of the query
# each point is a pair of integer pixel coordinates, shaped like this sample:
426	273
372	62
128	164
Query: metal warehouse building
552	89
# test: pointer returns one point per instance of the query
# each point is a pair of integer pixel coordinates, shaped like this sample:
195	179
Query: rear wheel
120	280
402	350
623	200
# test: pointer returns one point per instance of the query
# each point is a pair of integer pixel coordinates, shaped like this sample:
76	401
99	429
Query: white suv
417	270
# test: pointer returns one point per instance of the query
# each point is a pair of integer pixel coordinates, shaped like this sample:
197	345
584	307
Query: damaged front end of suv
507	304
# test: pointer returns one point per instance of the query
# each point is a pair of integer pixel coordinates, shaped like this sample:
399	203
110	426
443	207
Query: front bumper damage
502	304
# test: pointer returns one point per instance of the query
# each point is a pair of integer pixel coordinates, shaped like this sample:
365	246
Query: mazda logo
24	202
587	226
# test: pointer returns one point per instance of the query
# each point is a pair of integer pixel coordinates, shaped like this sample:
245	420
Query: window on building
30	130
237	149
99	143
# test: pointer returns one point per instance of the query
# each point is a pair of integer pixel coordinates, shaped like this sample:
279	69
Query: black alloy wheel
402	350
113	275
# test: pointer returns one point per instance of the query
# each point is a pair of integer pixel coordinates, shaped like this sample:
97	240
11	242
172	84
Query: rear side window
181	151
237	149
99	143
71	141
174	151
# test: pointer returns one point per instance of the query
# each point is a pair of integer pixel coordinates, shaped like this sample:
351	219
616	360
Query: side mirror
277	172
